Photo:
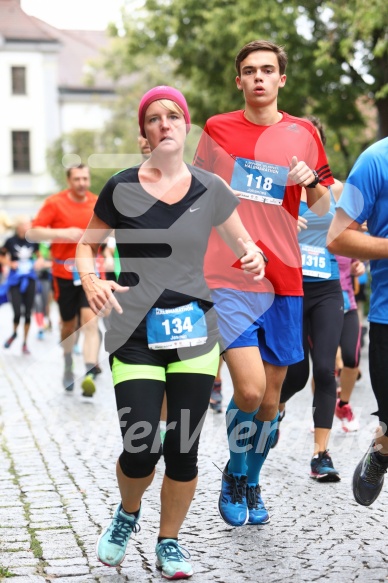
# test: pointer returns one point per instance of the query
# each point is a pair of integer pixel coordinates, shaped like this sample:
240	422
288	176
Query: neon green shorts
206	364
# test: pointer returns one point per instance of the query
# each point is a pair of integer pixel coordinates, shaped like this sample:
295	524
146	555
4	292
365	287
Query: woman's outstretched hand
99	293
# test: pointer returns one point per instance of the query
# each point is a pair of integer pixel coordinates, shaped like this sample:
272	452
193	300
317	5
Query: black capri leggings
322	325
19	299
139	403
350	342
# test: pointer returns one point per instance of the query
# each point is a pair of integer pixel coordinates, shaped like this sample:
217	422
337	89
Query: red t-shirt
255	160
59	211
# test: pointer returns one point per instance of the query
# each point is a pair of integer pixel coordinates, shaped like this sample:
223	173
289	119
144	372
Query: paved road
57	489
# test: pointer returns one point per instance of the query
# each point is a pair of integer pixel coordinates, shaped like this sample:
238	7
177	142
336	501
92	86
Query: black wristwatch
315	181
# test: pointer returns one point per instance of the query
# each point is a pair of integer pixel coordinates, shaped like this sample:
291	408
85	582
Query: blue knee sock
261	442
239	427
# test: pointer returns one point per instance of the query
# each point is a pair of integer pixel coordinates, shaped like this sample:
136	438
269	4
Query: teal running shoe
232	503
171	560
322	468
257	511
112	542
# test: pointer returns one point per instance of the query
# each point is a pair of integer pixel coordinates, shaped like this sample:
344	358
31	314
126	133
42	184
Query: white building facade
42	96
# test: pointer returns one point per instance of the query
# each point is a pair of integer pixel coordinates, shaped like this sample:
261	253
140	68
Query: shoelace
253	493
122	529
237	489
173	551
237	486
374	471
326	461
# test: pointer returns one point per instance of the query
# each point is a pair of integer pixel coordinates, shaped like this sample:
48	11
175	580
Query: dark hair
69	170
318	124
262	45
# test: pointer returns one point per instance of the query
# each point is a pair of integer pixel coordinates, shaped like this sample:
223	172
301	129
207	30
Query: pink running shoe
346	416
25	349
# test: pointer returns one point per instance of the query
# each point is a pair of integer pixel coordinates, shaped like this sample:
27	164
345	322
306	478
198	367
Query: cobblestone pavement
58	489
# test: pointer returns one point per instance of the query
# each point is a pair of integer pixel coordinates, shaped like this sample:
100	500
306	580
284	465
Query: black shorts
70	298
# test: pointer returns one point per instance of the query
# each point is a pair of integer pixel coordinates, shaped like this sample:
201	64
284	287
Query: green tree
337	59
355	37
103	151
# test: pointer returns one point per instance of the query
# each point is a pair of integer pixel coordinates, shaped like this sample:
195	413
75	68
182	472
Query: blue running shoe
322	468
368	478
112	542
232	503
171	560
257	511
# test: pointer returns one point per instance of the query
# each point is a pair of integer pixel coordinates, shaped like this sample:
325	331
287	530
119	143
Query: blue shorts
272	323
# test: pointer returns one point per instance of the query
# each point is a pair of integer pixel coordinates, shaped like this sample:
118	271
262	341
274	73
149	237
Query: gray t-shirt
161	248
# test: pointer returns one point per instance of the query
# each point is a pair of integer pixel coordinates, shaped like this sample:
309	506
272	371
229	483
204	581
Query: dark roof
17	25
76	47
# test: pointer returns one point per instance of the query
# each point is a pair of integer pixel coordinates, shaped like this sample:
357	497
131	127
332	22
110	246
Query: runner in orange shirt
62	220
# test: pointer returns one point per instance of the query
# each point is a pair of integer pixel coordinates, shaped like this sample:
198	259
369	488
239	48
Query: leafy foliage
337	59
338	64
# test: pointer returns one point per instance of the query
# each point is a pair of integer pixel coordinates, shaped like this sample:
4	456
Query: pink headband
162	92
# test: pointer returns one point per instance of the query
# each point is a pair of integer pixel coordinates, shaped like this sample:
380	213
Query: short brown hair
79	166
262	45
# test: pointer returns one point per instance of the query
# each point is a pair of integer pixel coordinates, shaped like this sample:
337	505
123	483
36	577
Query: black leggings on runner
322	326
19	299
139	403
350	342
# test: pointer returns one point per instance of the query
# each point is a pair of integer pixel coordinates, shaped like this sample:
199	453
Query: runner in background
61	221
19	257
350	343
323	315
43	293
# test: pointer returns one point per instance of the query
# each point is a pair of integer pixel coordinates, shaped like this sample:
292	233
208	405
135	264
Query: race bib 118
259	181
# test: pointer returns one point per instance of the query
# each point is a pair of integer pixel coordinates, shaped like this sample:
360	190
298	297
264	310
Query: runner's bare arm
99	292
